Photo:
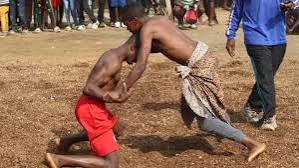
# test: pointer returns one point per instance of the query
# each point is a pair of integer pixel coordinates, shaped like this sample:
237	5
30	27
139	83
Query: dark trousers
102	4
210	6
82	5
111	12
115	12
17	7
43	9
28	8
265	62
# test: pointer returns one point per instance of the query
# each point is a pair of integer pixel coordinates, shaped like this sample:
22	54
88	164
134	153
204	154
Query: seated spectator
181	7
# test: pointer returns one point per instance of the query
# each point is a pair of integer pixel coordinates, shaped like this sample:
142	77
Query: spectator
148	4
82	5
116	9
28	8
69	7
18	5
265	40
101	9
180	9
4	8
226	5
292	18
209	6
42	8
58	13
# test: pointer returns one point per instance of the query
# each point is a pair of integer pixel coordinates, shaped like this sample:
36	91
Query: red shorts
56	3
98	123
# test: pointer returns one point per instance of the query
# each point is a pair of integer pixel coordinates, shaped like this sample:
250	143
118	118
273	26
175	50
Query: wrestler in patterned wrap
201	86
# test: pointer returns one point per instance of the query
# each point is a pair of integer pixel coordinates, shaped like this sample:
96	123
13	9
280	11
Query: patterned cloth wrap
200	87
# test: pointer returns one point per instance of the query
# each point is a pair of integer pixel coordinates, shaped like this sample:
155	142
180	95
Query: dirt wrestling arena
42	77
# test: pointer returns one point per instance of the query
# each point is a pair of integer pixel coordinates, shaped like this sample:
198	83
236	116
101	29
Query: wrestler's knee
112	160
205	124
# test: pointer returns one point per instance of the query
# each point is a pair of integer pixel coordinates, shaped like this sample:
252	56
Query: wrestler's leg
64	143
86	161
218	127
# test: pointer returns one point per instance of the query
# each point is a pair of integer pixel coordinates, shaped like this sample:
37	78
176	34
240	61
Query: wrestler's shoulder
157	19
156	22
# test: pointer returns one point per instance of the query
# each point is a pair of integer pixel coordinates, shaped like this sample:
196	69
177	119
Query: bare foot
52	160
62	145
256	150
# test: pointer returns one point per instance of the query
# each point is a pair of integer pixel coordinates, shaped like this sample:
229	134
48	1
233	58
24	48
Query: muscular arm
146	37
102	73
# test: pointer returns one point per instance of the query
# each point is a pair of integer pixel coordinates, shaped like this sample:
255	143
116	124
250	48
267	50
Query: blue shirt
263	21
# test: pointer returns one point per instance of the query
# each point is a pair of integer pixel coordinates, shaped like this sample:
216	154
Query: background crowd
22	16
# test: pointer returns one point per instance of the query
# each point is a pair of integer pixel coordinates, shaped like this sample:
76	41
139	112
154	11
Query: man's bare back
156	34
166	38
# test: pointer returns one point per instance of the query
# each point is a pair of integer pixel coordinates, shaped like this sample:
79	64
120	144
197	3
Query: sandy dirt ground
42	76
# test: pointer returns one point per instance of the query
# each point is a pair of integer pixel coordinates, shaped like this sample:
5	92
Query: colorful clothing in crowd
4	9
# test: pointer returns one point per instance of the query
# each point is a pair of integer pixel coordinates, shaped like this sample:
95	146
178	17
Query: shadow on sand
172	146
156	106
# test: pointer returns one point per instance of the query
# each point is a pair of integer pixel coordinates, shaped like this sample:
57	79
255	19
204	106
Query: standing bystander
265	40
70	9
17	8
116	9
82	5
4	8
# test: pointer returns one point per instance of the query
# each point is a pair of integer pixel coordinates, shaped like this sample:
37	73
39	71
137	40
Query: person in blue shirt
265	40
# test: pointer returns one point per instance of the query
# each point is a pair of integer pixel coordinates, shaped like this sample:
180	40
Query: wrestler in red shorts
98	122
103	85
